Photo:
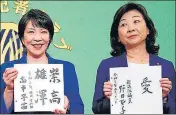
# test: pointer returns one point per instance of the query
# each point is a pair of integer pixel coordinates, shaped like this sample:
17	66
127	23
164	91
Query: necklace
141	58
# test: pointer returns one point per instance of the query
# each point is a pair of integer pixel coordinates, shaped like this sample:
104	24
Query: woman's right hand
107	89
9	75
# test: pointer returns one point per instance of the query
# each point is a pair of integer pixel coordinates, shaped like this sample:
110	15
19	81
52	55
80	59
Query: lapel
23	59
153	60
50	59
123	60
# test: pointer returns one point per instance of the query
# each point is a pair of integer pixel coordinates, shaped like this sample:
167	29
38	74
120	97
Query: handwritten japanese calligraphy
38	87
136	90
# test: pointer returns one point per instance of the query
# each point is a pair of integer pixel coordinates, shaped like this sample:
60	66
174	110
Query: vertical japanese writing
145	84
40	74
122	98
54	74
55	97
30	90
42	94
24	97
39	87
129	91
115	87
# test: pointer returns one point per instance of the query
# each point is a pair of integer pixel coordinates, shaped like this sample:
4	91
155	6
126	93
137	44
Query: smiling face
132	29
35	39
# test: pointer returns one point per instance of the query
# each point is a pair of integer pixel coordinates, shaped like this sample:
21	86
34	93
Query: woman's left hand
166	85
66	106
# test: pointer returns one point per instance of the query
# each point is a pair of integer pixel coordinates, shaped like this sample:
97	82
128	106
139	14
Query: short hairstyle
39	19
117	47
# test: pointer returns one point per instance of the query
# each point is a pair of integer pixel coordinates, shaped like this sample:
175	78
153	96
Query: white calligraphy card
136	90
38	87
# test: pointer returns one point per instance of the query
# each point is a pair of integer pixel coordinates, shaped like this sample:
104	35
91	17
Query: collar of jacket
24	58
153	60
